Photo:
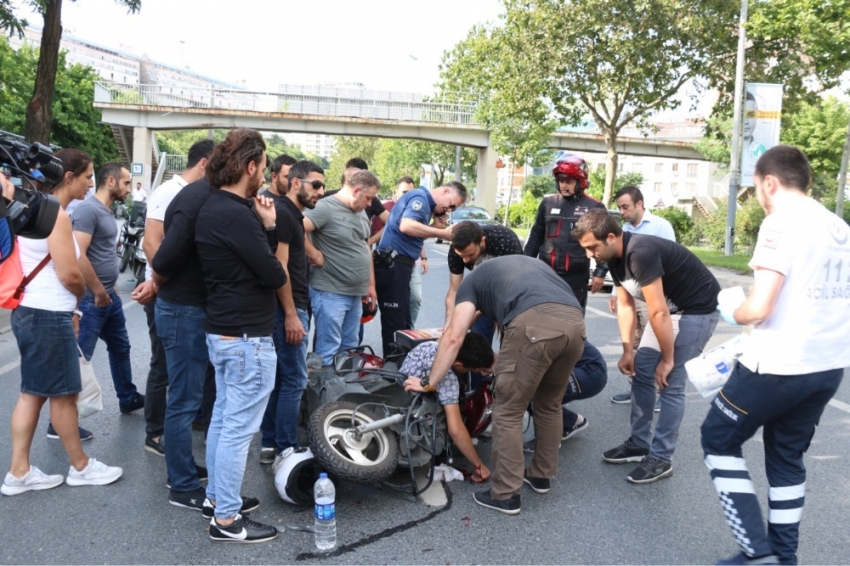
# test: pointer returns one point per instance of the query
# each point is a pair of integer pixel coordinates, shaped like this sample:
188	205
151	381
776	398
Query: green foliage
538	186
346	148
596	182
716	144
683	225
550	63
748	220
76	123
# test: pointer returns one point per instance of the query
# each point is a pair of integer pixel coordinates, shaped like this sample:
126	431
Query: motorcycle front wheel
371	458
125	259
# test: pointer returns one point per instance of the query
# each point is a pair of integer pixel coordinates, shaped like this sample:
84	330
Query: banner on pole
762	116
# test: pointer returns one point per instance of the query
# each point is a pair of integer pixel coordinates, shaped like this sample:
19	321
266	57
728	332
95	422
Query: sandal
478	476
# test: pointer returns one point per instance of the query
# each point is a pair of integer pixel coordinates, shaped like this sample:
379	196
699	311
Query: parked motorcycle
363	426
130	243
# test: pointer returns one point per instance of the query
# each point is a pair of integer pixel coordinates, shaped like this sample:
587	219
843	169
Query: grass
521	233
715	258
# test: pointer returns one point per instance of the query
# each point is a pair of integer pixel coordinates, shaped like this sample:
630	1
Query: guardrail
316	101
176	163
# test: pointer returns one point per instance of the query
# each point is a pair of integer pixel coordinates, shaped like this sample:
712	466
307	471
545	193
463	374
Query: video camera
31	213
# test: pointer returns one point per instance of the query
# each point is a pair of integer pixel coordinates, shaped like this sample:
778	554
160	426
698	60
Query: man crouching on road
543	337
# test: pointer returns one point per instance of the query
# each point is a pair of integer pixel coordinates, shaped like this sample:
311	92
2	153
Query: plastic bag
90	399
710	371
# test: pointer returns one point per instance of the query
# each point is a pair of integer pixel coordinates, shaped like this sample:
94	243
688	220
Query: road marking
433	251
840	405
601	313
17	362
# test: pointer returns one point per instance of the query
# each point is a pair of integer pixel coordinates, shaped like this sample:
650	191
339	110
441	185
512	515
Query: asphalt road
592	515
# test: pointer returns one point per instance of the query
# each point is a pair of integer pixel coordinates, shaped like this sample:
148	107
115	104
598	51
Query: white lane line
433	251
17	362
840	405
601	313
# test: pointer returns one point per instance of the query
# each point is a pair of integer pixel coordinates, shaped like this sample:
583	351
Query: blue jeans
694	332
244	379
108	324
415	294
789	408
280	422
181	329
337	322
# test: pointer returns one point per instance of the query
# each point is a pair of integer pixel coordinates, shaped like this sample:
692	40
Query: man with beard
550	238
102	312
280	176
292	320
235	235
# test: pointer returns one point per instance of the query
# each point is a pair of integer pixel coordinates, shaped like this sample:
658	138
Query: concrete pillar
142	154
486	179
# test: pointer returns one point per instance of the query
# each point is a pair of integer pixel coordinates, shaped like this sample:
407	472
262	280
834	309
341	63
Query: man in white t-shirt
139	194
145	293
792	364
638	220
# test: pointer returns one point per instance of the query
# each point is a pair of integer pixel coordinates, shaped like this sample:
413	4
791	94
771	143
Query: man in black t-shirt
681	297
292	321
543	337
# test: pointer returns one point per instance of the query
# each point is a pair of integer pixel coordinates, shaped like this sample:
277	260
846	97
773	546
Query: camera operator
44	328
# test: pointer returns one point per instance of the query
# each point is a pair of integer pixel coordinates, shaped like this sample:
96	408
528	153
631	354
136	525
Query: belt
403	259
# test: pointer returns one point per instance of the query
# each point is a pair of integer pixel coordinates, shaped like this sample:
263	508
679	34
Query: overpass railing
292	99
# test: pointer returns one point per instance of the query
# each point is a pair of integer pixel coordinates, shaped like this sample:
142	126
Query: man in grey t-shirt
103	316
343	272
543	337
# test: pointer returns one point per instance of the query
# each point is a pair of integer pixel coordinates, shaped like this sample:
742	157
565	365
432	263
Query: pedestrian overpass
136	112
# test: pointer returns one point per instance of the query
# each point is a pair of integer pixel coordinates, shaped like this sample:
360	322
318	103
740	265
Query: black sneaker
508	506
155	446
193	500
538	485
84	434
622	398
200	471
137	403
625	452
650	470
248	504
741	559
242	529
575	429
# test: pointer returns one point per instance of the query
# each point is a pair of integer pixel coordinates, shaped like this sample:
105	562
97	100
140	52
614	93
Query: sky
383	44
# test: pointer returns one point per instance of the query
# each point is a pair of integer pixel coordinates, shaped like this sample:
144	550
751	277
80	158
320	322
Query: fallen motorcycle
363	426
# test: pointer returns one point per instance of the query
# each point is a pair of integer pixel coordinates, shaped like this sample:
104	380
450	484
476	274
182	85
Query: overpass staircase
163	166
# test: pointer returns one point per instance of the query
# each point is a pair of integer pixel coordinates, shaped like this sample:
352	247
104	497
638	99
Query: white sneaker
33	480
96	473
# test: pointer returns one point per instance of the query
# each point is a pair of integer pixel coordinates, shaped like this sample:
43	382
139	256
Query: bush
748	220
683	225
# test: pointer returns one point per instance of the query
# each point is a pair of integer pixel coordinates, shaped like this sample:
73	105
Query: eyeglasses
315	183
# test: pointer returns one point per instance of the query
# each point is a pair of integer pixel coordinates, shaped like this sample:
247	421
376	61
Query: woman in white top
44	327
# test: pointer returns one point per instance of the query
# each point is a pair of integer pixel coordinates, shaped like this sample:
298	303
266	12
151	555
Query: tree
597	180
538	186
39	116
397	158
618	60
345	148
76	123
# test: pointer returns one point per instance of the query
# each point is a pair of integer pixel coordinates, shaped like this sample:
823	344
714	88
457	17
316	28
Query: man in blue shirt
638	220
404	234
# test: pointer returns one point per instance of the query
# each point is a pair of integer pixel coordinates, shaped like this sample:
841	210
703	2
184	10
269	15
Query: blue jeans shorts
50	361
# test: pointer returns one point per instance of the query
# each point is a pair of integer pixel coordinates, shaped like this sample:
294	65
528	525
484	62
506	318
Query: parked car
473	213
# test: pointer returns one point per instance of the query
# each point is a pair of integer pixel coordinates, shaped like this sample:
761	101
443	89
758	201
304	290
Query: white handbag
90	399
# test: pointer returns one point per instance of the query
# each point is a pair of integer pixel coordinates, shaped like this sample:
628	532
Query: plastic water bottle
325	494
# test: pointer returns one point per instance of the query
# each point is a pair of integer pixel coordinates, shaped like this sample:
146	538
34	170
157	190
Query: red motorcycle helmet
572	165
369	311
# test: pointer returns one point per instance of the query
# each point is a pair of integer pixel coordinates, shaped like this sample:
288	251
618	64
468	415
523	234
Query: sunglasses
315	183
452	206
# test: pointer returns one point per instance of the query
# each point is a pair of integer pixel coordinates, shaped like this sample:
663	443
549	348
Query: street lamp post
735	165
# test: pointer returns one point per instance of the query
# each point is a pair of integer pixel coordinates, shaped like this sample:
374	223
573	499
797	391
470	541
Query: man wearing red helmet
550	238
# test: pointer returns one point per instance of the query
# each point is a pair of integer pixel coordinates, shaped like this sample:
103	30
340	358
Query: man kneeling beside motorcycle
475	355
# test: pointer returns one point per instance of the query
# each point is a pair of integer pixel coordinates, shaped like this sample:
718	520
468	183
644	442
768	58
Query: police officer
404	234
550	237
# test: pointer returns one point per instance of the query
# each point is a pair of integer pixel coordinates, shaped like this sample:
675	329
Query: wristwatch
426	385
